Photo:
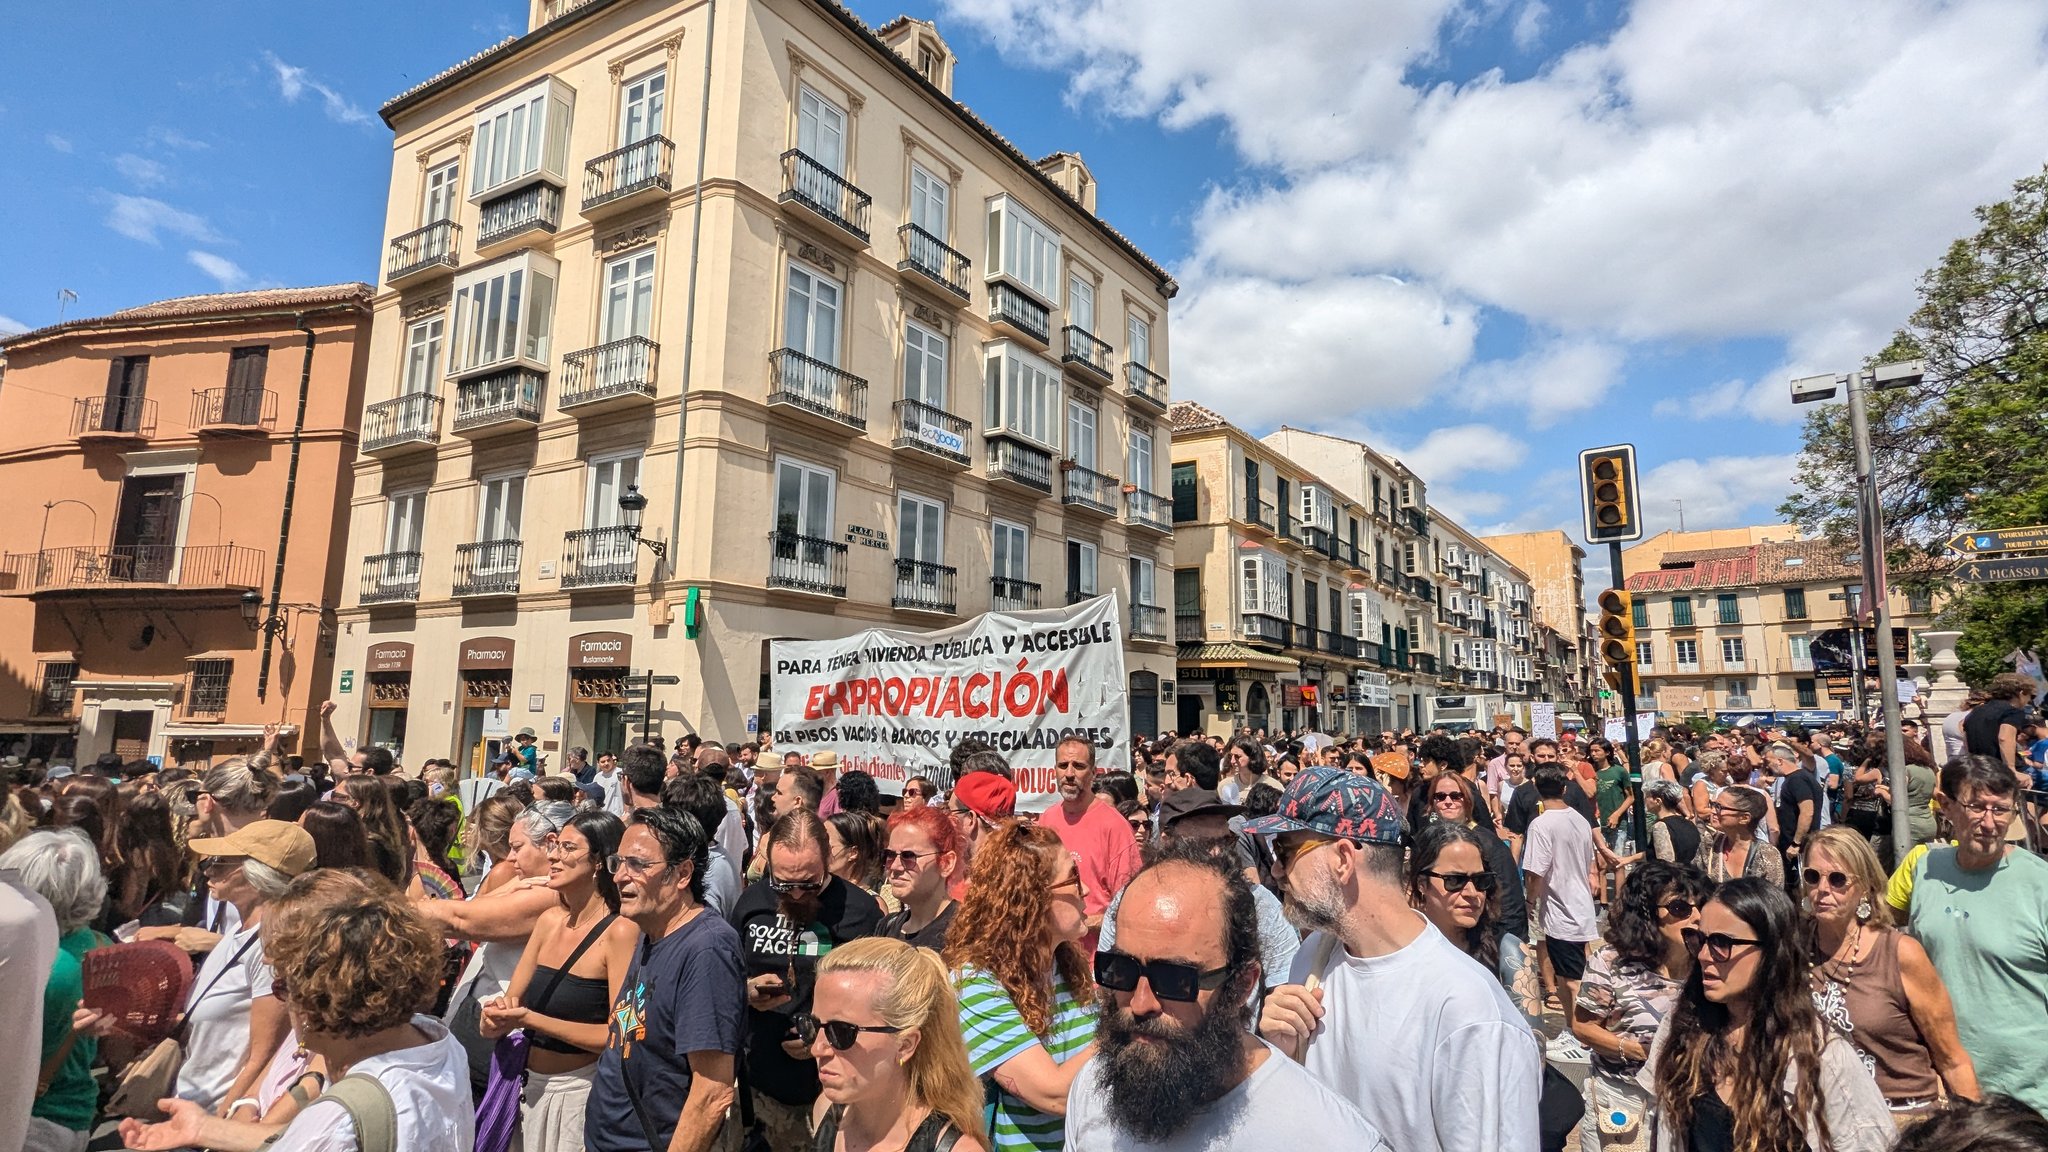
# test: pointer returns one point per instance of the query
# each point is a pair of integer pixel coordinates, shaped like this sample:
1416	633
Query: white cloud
172	138
57	143
9	326
228	273
1461	449
294	82
1528	30
140	170
1550	380
1717	491
142	218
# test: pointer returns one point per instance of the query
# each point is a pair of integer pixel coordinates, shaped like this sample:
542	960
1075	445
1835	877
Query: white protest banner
893	703
1543	720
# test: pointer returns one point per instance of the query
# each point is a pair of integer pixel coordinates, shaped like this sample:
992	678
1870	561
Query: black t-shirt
1797	786
771	943
932	935
682	994
1524	804
1980	727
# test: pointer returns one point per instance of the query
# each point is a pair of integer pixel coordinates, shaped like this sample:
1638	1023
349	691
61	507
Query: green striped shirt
995	1033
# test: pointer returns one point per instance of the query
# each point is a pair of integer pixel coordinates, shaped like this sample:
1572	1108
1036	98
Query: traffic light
1607	481
1617	637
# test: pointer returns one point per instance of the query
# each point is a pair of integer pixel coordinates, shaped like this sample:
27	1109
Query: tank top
571	999
1870	1009
936	1134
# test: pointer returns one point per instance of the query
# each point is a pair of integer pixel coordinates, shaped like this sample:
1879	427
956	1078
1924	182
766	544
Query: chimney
918	41
1071	173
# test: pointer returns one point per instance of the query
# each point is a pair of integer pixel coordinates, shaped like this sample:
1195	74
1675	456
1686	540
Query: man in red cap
979	801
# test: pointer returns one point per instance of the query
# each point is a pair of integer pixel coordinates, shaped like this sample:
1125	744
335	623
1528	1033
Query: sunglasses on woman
838	1033
1719	946
1170	979
906	857
1454	882
1678	909
1836	880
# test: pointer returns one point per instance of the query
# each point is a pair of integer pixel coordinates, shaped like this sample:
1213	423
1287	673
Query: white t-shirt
1560	849
732	832
1426	1044
429	1087
217	1017
614	799
28	947
1279	1105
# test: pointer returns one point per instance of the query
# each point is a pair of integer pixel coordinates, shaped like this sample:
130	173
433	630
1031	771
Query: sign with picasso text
893	703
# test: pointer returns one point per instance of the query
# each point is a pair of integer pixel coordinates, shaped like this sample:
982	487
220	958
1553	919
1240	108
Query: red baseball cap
987	795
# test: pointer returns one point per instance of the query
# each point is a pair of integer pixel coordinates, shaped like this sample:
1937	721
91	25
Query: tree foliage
1968	447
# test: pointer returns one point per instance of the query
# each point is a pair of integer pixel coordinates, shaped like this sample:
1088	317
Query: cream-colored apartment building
701	331
1565	659
1733	632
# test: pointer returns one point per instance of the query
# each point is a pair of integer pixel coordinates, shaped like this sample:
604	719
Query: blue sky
1481	233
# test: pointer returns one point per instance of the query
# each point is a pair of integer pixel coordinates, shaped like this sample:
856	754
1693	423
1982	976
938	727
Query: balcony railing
600	558
928	256
1302	636
1422	662
1148	622
434	248
514	396
1087	489
924	587
1011	595
1082	349
1262	629
113	416
1020	464
391	577
1799	663
1144	509
1728	665
233	409
536	206
1737	702
817	387
200	567
487	568
642	166
806	563
1260	512
1337	643
618	370
414	418
554	10
1189	630
934	430
1687	667
1142	383
809	184
1007	305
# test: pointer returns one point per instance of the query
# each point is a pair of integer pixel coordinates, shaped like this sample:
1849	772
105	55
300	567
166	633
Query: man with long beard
1176	1065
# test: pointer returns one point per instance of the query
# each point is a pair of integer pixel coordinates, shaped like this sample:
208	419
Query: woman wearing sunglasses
1743	1060
1449	796
1734	850
1026	991
892	1069
1629	987
1875	983
922	858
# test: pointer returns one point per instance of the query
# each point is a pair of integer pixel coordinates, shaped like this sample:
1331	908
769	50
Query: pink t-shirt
1101	841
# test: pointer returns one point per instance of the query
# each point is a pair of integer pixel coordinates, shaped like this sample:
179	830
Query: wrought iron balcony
1010	595
113	418
1081	349
923	428
1338	644
806	563
924	587
401	422
487	568
536	207
1259	628
1148	622
1149	510
1142	383
391	577
160	567
812	386
625	177
1019	464
928	256
600	558
1259	513
1087	489
229	410
1302	636
429	251
513	397
1189	630
1021	314
612	375
825	193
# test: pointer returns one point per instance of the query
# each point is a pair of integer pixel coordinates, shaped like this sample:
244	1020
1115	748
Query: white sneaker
1566	1049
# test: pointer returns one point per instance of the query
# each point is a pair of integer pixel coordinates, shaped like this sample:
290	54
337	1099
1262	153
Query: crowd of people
1409	941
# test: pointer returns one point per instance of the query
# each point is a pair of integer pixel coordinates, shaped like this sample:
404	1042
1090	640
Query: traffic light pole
1628	714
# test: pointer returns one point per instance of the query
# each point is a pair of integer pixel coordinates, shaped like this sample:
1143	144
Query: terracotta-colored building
176	478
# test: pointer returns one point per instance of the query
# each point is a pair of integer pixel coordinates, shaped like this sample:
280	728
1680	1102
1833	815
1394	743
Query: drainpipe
284	523
675	529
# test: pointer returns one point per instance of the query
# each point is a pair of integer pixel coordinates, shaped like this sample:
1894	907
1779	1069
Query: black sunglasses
908	857
838	1033
1719	946
1455	881
787	887
1678	909
1837	880
1170	980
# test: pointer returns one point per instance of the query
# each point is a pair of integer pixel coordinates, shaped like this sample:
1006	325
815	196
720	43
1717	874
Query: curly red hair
351	955
1001	925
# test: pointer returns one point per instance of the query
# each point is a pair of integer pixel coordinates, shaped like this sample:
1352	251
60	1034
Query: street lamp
633	504
1870	541
255	619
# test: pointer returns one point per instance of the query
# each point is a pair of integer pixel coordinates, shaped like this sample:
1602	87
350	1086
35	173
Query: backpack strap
370	1107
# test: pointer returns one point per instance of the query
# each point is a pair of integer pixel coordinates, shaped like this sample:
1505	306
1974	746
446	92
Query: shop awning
1231	656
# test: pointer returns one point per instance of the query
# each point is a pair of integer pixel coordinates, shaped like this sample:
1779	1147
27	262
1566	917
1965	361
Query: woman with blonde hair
884	1029
1875	984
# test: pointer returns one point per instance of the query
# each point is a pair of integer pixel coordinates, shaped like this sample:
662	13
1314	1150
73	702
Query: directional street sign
2002	540
666	679
2010	568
